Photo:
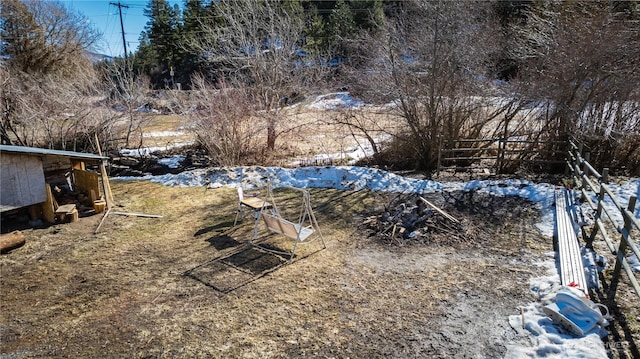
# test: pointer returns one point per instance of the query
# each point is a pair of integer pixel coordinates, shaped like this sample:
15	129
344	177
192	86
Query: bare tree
257	49
580	62
223	122
430	61
47	76
128	95
45	37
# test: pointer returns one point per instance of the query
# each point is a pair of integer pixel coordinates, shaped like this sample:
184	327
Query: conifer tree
163	33
341	26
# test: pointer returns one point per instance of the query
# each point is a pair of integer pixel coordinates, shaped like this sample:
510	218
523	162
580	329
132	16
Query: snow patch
163	134
335	101
546	339
171	162
148	151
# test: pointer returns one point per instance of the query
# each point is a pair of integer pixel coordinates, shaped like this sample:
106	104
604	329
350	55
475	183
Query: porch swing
299	231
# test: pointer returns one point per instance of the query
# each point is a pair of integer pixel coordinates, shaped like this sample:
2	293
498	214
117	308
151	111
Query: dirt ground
189	285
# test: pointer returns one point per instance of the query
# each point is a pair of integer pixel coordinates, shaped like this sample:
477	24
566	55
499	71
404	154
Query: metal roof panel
43	151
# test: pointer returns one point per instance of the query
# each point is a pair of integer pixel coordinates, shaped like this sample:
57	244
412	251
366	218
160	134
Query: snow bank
340	177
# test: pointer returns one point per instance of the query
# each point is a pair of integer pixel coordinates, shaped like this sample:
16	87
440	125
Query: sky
104	17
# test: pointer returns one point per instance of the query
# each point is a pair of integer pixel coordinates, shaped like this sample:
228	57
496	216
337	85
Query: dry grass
145	287
151	287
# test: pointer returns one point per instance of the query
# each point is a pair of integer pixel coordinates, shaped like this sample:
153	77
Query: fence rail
501	151
591	182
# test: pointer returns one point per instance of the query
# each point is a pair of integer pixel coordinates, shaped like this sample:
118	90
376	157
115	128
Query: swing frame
298	232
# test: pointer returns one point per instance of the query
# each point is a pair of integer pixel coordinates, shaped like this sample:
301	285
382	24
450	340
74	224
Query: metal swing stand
299	232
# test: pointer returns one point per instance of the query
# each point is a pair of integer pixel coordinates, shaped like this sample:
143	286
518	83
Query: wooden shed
27	175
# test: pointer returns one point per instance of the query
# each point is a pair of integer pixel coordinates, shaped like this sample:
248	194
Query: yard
189	284
151	287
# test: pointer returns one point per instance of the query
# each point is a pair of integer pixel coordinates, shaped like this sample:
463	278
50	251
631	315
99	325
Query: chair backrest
240	194
287	228
280	225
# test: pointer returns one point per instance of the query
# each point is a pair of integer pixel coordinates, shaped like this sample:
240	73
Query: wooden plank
469	149
469	158
108	196
105	184
571	265
66	209
49	206
78	165
87	182
442	212
106	213
137	214
255	203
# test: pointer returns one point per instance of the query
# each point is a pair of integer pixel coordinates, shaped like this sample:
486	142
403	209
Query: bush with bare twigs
223	123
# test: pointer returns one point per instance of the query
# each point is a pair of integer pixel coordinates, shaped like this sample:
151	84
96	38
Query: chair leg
238	211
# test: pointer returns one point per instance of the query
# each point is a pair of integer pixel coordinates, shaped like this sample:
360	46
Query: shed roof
43	151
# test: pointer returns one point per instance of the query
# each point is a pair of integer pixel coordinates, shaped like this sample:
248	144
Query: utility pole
124	42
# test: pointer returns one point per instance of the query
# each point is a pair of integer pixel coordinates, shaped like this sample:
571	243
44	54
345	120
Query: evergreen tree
315	37
341	26
367	14
163	33
195	16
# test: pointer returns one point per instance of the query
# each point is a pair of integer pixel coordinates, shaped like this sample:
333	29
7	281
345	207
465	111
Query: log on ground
11	241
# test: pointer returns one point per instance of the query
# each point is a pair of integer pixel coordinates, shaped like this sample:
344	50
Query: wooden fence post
622	249
586	158
570	153
594	231
439	155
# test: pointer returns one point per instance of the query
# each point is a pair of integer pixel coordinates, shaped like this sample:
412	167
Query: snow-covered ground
334	101
546	339
149	151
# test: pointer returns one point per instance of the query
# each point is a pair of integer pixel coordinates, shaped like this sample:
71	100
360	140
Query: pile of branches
413	219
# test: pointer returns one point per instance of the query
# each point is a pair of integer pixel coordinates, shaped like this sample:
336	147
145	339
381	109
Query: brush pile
413	219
